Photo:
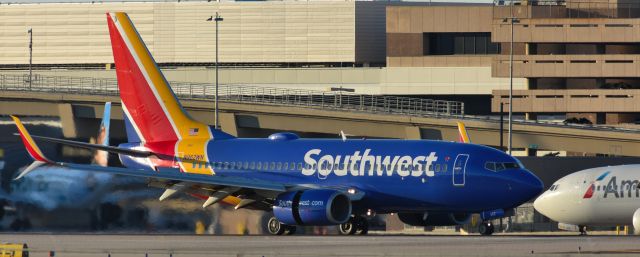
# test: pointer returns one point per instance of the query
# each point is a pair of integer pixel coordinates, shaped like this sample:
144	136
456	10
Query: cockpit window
490	166
553	188
500	166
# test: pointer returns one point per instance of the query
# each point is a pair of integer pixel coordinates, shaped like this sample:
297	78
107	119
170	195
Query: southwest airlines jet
605	196
301	181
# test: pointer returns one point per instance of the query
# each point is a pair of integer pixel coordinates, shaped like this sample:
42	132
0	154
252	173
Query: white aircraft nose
541	204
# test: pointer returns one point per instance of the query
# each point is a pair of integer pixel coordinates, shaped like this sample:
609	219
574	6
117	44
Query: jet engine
434	219
315	207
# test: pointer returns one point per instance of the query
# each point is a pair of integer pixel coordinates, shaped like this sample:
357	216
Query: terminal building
571	58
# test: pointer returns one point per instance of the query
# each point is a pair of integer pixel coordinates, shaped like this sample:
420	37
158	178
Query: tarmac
372	245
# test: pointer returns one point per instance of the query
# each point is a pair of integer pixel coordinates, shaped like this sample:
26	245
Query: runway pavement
187	245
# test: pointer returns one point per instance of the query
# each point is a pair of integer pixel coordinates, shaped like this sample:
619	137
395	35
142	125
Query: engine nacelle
435	219
636	222
317	207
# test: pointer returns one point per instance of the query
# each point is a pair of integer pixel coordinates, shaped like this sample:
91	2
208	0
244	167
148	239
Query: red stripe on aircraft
135	93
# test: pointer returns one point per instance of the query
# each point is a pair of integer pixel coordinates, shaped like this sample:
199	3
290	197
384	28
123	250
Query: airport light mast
217	18
511	20
30	32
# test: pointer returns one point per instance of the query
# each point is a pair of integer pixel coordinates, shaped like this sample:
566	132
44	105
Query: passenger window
252	165
259	166
265	166
293	166
444	167
300	166
285	166
273	165
438	167
226	166
279	167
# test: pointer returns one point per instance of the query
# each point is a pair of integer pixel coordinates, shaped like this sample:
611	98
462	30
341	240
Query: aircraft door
459	167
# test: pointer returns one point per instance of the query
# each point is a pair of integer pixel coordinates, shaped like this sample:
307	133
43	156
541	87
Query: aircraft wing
177	175
220	187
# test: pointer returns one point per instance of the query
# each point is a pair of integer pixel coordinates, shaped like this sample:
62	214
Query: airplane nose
539	204
532	185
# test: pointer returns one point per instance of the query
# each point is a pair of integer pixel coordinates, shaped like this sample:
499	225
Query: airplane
303	182
604	196
58	191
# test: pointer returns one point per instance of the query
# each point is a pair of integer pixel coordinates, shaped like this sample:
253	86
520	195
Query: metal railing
245	94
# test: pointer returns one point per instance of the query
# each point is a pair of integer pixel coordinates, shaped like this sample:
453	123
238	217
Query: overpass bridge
255	111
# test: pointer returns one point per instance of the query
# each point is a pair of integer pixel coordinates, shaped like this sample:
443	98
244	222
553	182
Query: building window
460	44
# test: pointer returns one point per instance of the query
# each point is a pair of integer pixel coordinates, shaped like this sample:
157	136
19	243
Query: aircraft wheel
348	228
486	229
583	230
275	227
290	229
362	226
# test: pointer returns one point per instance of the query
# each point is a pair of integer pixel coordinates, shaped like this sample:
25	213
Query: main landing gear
275	227
486	228
355	225
582	230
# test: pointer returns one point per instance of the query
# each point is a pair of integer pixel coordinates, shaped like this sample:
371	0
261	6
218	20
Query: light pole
511	20
217	18
30	31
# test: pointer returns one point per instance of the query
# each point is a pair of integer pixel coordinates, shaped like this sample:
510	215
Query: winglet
28	142
462	131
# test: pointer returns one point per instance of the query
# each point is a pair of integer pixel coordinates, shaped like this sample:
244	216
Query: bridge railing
245	94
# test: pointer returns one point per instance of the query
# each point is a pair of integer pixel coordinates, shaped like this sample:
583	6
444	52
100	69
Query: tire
486	229
290	230
274	227
362	226
348	228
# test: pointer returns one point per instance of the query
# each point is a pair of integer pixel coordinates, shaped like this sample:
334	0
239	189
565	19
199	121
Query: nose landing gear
355	225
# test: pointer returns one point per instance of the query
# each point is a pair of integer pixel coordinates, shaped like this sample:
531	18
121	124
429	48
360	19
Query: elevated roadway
248	113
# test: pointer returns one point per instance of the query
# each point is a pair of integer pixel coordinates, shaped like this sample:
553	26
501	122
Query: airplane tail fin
102	157
149	103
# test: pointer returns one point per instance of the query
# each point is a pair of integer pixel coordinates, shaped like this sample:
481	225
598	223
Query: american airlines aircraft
605	196
301	181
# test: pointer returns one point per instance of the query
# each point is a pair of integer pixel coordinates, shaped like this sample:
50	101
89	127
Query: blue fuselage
394	175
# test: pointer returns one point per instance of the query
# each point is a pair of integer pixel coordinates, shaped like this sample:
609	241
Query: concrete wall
389	80
270	31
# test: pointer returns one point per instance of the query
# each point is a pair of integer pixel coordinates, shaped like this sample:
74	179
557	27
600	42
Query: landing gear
355	225
583	230
276	228
486	228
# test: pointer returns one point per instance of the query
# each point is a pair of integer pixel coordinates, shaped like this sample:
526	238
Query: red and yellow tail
29	144
150	105
147	99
